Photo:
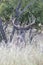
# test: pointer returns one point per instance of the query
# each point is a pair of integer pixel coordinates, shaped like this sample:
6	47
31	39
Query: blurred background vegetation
7	9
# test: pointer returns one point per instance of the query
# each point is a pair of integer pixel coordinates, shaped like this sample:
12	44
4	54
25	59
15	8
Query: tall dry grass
29	55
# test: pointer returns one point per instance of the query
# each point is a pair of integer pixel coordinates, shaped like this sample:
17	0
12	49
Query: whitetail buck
18	14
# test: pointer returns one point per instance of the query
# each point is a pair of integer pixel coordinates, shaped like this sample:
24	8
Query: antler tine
27	27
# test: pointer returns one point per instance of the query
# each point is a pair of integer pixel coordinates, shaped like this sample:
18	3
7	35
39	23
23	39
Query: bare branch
2	31
5	25
28	6
19	5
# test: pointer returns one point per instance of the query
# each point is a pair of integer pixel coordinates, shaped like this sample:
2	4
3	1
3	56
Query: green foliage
37	10
7	8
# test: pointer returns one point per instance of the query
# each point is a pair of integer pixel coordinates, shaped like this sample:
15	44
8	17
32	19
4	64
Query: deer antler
23	28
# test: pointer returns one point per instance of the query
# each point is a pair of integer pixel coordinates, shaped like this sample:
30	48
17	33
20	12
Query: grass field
29	55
